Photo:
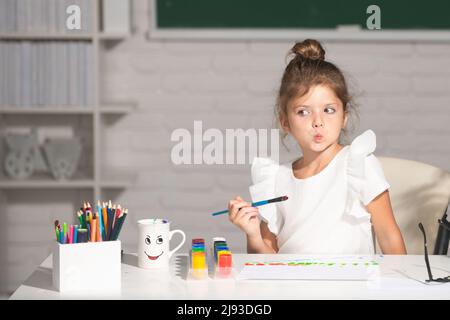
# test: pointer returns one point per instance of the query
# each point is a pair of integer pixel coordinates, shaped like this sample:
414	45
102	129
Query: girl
336	193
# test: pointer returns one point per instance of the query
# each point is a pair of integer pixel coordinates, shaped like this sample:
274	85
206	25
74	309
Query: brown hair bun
309	49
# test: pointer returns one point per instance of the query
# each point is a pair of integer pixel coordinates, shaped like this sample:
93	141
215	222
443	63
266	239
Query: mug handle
181	243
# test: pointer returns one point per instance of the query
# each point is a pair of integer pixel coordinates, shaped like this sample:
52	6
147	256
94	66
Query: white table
400	278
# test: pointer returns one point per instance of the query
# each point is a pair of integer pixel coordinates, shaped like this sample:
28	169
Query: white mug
153	243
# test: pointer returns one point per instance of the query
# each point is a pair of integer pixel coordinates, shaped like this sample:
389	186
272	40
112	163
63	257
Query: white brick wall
403	90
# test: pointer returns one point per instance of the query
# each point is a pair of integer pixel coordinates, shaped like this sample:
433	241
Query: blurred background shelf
81	48
45	181
111	180
115	108
46	110
46	36
64	36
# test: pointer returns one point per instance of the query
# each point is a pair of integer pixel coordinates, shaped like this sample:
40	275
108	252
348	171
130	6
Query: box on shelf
87	267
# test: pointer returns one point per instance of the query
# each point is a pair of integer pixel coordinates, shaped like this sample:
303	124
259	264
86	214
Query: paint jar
198	269
223	261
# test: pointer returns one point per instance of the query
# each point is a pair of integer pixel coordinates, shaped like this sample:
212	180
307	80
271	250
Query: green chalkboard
295	14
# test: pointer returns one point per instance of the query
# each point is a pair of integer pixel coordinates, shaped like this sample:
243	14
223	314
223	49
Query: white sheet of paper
311	269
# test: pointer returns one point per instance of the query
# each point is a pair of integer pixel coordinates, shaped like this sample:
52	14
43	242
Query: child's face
315	120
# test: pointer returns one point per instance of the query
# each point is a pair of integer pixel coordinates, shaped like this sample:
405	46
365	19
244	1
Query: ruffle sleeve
264	171
365	175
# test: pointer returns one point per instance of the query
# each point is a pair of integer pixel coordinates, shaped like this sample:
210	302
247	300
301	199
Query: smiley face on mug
153	247
153	243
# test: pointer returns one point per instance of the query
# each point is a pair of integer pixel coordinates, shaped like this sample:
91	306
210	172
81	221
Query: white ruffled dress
325	213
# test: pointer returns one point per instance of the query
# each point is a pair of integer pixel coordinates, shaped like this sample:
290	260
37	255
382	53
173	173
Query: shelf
104	109
46	110
63	36
40	182
46	36
111	180
102	113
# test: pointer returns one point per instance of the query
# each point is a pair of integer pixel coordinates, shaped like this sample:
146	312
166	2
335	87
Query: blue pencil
75	234
99	212
256	204
61	236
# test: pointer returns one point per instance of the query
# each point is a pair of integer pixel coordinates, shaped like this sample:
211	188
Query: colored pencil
105	219
110	222
119	225
93	229
98	237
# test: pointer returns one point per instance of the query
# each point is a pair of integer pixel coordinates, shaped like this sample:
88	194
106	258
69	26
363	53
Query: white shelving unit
77	36
104	109
101	178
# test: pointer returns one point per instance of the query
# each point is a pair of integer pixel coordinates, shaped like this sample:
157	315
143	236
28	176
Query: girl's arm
265	242
387	231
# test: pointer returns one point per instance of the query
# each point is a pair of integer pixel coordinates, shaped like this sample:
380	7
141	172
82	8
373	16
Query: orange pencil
105	220
98	238
93	229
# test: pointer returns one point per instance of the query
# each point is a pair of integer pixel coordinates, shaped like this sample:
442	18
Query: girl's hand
244	216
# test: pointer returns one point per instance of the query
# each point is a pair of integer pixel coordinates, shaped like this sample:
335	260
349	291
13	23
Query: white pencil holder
87	267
